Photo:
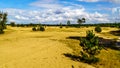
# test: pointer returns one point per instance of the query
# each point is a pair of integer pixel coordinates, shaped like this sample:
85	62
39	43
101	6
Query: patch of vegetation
90	48
39	28
3	20
68	24
12	24
42	28
34	29
98	29
61	25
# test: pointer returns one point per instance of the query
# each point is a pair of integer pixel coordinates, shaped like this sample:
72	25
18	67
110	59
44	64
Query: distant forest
70	25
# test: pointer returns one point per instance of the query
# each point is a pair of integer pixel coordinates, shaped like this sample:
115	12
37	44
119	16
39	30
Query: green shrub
42	28
61	27
34	29
12	24
18	25
38	29
1	31
98	29
90	48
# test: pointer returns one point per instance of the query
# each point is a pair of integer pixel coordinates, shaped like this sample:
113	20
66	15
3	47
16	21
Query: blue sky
56	11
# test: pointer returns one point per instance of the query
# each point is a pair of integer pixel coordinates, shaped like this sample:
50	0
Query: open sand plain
23	48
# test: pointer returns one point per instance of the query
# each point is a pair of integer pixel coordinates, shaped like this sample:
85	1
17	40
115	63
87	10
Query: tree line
68	24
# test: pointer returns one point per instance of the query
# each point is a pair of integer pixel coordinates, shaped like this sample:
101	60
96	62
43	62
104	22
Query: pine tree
3	21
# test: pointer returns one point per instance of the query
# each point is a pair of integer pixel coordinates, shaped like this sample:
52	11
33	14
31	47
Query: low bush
34	29
42	28
98	29
61	27
39	28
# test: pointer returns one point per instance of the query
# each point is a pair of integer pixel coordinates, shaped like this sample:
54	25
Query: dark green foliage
31	24
42	28
68	24
91	47
18	25
12	24
83	20
80	21
1	30
61	25
3	20
34	29
98	29
39	28
22	25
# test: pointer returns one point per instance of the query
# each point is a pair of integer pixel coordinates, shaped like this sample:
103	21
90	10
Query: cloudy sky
56	11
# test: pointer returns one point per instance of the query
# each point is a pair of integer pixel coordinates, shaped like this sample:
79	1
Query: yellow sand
23	48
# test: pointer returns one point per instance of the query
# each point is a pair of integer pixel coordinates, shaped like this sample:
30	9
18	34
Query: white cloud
89	0
55	15
46	4
21	17
112	1
115	1
116	10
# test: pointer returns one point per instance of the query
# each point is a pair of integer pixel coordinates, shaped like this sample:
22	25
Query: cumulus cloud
46	4
116	10
55	15
89	0
112	1
21	17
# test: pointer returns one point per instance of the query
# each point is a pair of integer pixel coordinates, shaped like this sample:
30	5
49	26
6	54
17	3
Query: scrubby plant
42	28
98	29
34	29
3	20
18	25
61	25
22	25
38	28
90	47
12	24
1	30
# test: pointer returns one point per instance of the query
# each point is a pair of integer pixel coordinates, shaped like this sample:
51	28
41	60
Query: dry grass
23	48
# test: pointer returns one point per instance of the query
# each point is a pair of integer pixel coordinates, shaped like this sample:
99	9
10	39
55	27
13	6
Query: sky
56	11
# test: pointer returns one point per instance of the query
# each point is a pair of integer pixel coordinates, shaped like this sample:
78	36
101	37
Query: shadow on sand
116	33
106	43
72	57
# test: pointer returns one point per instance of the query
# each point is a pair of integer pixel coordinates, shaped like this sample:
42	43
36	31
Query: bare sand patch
23	48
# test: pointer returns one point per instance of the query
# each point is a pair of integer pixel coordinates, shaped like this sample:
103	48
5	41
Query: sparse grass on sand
24	48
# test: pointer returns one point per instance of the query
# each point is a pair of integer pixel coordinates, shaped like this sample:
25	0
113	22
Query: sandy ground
23	48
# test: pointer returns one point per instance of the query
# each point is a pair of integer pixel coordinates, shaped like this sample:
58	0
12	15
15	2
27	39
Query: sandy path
23	49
